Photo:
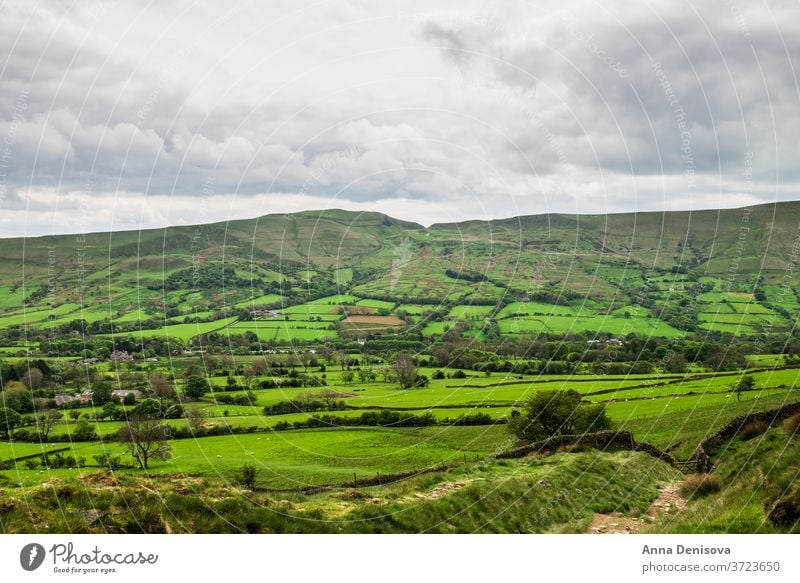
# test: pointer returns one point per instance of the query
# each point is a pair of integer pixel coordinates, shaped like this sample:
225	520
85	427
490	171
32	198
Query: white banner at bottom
389	558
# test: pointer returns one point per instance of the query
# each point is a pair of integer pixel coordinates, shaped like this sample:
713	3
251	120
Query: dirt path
668	502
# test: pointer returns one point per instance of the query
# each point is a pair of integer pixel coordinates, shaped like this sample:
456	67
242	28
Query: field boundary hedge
5	464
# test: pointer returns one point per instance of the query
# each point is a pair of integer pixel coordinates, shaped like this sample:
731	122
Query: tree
260	367
45	422
347	376
329	397
746	383
83	431
550	413
196	387
16	397
145	439
149	408
675	362
248	375
405	370
101	392
196	418
33	379
110	410
9	420
366	375
162	388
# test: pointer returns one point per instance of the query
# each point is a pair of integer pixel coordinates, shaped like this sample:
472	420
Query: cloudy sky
120	115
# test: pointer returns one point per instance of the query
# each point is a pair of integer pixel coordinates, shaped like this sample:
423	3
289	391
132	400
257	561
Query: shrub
753	429
786	511
792	425
106	460
699	485
173	412
32	464
474	419
246	476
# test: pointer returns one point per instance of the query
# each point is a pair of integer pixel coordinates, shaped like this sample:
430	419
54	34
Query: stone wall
711	444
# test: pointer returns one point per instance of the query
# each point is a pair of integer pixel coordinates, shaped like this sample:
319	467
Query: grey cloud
541	114
622	108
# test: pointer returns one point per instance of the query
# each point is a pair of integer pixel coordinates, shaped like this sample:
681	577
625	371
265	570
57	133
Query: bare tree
248	375
227	362
405	370
45	422
162	388
33	379
329	397
145	439
260	367
196	417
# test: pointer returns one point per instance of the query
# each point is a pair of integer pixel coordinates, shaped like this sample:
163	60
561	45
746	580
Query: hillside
664	273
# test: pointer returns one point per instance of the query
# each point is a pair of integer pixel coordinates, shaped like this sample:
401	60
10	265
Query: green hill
663	273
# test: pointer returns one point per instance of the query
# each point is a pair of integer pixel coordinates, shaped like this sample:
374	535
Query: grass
293	459
753	477
557	494
184	331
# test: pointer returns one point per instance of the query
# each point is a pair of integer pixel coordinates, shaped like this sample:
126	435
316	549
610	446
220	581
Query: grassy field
671	411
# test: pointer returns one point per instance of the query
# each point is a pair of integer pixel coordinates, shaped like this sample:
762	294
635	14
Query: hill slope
676	268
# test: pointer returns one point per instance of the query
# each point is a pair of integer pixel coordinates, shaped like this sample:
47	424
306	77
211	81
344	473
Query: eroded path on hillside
668	502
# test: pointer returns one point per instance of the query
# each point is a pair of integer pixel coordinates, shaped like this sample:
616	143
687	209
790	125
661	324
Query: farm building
64	399
122	393
265	313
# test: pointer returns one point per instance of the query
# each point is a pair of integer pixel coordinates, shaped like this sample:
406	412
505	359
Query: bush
753	429
473	419
246	476
699	485
106	460
173	412
786	511
792	425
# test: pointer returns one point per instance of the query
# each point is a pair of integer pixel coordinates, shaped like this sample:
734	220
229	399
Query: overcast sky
119	115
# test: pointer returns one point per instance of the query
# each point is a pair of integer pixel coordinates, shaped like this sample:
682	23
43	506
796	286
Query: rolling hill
728	271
